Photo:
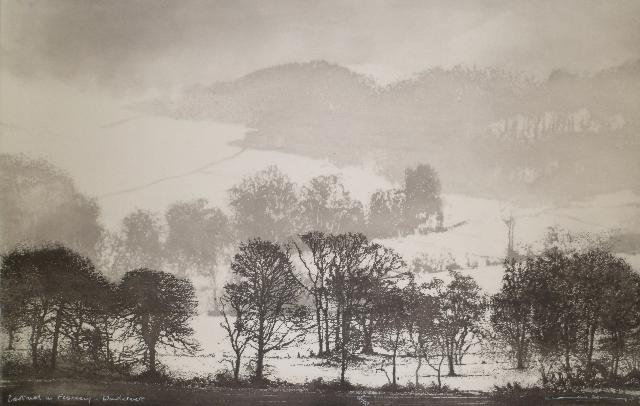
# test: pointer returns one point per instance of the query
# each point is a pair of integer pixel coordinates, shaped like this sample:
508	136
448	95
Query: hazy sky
118	42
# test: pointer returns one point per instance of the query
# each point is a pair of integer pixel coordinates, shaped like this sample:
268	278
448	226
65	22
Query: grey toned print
319	203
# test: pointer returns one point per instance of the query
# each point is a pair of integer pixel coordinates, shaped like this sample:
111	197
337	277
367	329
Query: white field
475	376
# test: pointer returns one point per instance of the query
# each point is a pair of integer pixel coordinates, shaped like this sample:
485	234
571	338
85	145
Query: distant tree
386	218
327	206
422	196
265	205
39	204
158	308
235	307
197	235
197	238
274	319
512	310
141	245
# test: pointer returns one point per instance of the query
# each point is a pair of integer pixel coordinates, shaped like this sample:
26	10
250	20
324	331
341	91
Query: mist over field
378	164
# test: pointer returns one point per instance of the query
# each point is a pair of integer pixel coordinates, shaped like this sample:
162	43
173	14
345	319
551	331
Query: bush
225	379
632	379
159	377
12	364
319	384
389	387
434	388
516	394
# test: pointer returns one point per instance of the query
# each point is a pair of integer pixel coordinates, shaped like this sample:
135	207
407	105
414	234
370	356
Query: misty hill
488	132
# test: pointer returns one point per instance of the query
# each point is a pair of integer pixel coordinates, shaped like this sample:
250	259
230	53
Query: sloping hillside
489	133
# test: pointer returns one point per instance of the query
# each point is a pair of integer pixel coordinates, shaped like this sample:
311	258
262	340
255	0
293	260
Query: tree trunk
260	351
337	345
592	333
56	337
418	369
152	358
521	349
236	368
325	312
344	354
451	362
393	369
567	360
10	338
319	323
367	344
34	352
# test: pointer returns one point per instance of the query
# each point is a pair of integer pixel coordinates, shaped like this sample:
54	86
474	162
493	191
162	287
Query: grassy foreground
59	392
73	392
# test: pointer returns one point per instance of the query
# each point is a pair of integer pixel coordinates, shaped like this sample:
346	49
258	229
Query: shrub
159	377
225	379
12	364
632	379
516	394
389	387
319	384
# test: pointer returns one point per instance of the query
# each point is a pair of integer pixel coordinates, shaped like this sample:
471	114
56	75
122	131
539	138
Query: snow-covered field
295	365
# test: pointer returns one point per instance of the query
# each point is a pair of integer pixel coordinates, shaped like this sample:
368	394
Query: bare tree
274	319
357	268
235	308
317	269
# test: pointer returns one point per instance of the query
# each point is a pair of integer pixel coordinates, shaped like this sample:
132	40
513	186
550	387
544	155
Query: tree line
575	316
40	204
362	298
54	299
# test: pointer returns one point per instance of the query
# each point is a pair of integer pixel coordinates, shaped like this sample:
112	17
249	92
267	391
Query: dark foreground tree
393	315
317	264
266	284
235	307
426	334
158	308
359	269
462	308
512	310
47	289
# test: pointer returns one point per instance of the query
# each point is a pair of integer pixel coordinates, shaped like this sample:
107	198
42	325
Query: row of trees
360	296
40	204
55	299
573	313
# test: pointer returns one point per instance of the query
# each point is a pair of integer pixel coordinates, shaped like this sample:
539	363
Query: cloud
150	42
